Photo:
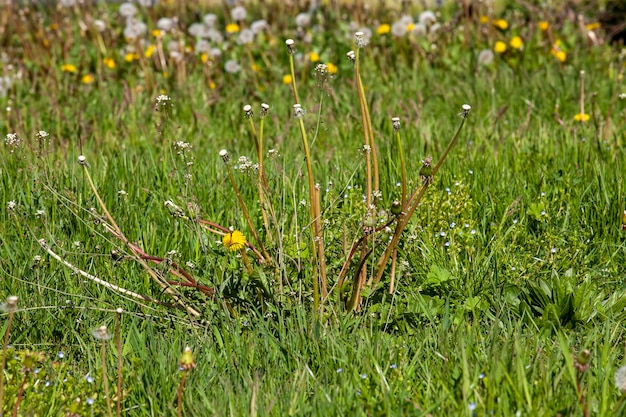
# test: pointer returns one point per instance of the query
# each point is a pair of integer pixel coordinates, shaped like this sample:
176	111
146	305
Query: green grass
511	267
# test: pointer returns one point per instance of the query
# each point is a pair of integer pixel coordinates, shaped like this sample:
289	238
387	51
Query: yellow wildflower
581	117
149	51
130	57
68	68
204	57
232	28
109	63
516	42
212	85
499	47
156	33
383	29
593	26
234	241
484	19
332	68
255	68
88	79
501	24
410	27
560	54
314	56
543	25
287	79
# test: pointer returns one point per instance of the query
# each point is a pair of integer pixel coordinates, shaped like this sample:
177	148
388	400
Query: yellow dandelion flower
232	28
54	26
234	241
149	51
68	68
109	63
204	57
484	19
581	117
383	29
516	42
332	68
156	33
314	56
410	27
593	26
255	68
543	25
287	79
212	85
501	24
87	79
130	57
560	54
499	47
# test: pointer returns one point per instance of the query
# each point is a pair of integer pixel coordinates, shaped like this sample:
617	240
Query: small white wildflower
399	29
303	20
485	57
190	265
209	20
351	55
13	140
419	30
163	100
245	37
40	213
238	13
166	24
122	193
11	205
427	18
622	96
248	110
259	26
101	333
395	121
620	379
298	111
272	153
231	66
265	109
465	111
359	40
127	9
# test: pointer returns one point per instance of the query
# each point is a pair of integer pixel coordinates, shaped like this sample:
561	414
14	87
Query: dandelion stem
3	360
293	79
118	340
179	394
402	168
105	378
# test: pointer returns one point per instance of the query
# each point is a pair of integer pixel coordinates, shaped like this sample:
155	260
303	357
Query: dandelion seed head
101	333
238	13
359	40
303	20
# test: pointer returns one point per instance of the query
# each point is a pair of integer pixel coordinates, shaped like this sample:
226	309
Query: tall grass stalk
9	306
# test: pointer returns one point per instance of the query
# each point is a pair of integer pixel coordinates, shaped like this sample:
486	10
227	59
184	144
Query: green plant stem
3	361
366	141
402	168
118	340
262	179
246	214
179	394
316	224
293	79
20	394
403	220
105	378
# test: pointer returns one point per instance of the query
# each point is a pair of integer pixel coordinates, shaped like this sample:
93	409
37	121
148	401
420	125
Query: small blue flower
60	355
393	366
339	370
472	406
363	376
90	401
89	378
481	376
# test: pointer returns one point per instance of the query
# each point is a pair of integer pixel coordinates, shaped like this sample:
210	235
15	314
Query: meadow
312	209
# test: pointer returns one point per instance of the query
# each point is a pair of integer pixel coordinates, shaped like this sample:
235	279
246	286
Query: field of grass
438	227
